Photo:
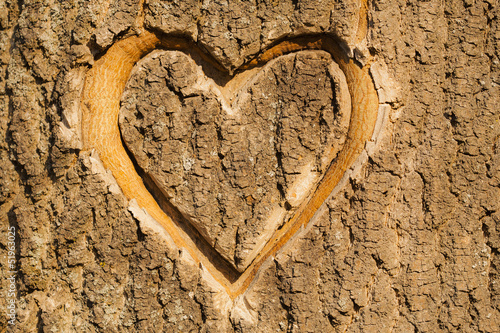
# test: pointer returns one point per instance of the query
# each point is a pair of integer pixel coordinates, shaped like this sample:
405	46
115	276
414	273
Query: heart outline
103	88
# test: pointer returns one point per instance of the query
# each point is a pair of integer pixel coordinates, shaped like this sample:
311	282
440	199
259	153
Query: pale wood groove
104	86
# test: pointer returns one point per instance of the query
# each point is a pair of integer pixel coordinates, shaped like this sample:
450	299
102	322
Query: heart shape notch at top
239	154
103	89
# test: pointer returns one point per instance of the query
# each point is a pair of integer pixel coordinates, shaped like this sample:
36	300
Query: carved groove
104	86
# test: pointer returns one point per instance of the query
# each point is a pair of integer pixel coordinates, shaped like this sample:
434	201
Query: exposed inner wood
104	86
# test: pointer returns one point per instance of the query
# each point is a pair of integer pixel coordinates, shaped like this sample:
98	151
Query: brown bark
407	242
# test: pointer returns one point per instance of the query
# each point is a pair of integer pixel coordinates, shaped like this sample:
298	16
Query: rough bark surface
234	169
409	243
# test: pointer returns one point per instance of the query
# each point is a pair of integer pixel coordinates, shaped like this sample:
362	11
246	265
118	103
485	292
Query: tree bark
232	114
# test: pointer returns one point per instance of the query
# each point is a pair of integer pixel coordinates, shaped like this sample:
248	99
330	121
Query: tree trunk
250	166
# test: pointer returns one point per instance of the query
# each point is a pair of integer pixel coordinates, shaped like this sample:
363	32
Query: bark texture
410	241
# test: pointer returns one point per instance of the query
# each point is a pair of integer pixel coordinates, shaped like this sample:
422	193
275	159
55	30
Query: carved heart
237	157
103	89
